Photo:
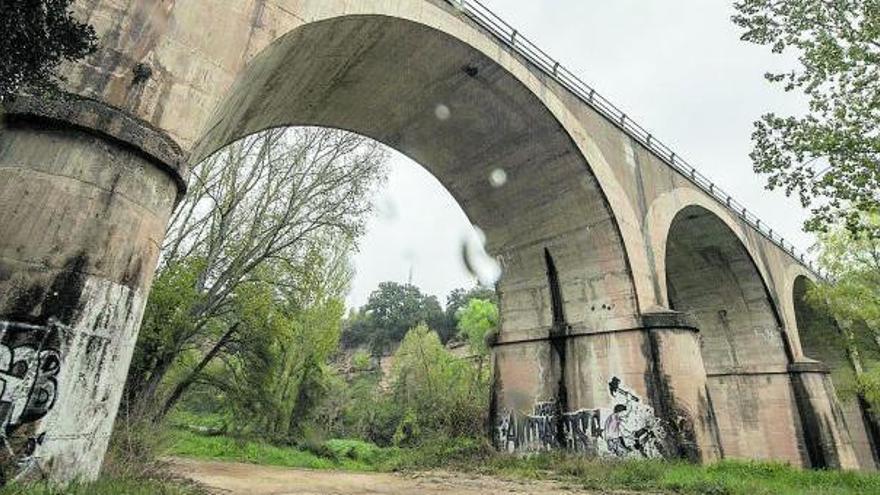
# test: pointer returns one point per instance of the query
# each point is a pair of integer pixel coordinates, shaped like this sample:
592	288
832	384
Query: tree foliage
38	35
274	375
475	322
253	268
459	298
852	261
436	393
429	395
829	157
852	297
391	311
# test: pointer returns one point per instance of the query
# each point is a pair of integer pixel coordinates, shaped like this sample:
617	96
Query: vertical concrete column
827	438
85	195
680	391
635	392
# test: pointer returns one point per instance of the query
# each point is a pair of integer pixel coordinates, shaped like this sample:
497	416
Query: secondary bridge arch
711	274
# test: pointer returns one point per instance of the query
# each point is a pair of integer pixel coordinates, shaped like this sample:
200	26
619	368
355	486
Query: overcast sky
677	67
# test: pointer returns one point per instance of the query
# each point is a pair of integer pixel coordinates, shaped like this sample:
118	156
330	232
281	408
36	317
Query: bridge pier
827	438
650	379
681	386
85	195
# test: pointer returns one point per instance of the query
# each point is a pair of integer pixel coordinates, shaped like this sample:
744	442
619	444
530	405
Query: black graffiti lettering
30	361
626	428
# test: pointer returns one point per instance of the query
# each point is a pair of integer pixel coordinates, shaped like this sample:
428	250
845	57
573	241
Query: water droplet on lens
477	261
442	112
498	177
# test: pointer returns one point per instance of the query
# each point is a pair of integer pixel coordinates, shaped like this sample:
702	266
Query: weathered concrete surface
83	216
594	232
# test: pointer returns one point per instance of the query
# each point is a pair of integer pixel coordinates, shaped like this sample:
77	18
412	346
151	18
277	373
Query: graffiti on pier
626	428
30	360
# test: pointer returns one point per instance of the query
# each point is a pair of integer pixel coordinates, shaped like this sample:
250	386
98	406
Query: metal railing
508	35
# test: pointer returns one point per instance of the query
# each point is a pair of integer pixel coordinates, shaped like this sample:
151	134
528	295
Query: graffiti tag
627	428
30	361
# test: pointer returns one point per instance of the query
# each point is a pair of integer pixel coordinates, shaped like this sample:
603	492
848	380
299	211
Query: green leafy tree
275	375
829	157
361	361
37	36
168	312
434	392
476	322
272	372
269	220
852	297
852	261
391	311
458	299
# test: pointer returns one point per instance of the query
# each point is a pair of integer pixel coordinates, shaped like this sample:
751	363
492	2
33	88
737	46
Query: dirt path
234	478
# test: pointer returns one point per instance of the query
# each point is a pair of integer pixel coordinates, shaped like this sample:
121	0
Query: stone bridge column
680	390
654	371
85	195
827	438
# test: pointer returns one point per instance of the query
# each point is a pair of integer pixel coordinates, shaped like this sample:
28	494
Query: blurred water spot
477	261
442	112
498	177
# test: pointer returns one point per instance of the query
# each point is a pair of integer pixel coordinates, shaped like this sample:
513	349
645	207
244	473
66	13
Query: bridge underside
640	318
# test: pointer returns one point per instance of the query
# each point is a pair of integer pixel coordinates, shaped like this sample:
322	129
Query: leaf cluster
254	266
829	157
38	35
476	322
851	299
391	311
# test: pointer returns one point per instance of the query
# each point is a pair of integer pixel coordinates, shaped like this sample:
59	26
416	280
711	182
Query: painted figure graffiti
641	431
29	364
629	428
614	432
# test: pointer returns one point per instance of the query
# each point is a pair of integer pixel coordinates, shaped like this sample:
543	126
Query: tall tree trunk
181	387
146	396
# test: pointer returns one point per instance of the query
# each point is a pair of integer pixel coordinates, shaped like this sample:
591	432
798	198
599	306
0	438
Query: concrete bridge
644	312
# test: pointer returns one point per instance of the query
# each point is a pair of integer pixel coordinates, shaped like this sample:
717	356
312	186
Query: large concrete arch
710	274
388	78
581	226
710	270
460	114
667	207
182	97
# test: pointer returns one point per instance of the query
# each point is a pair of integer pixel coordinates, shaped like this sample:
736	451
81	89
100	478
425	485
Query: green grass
469	455
188	420
105	487
725	478
339	454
